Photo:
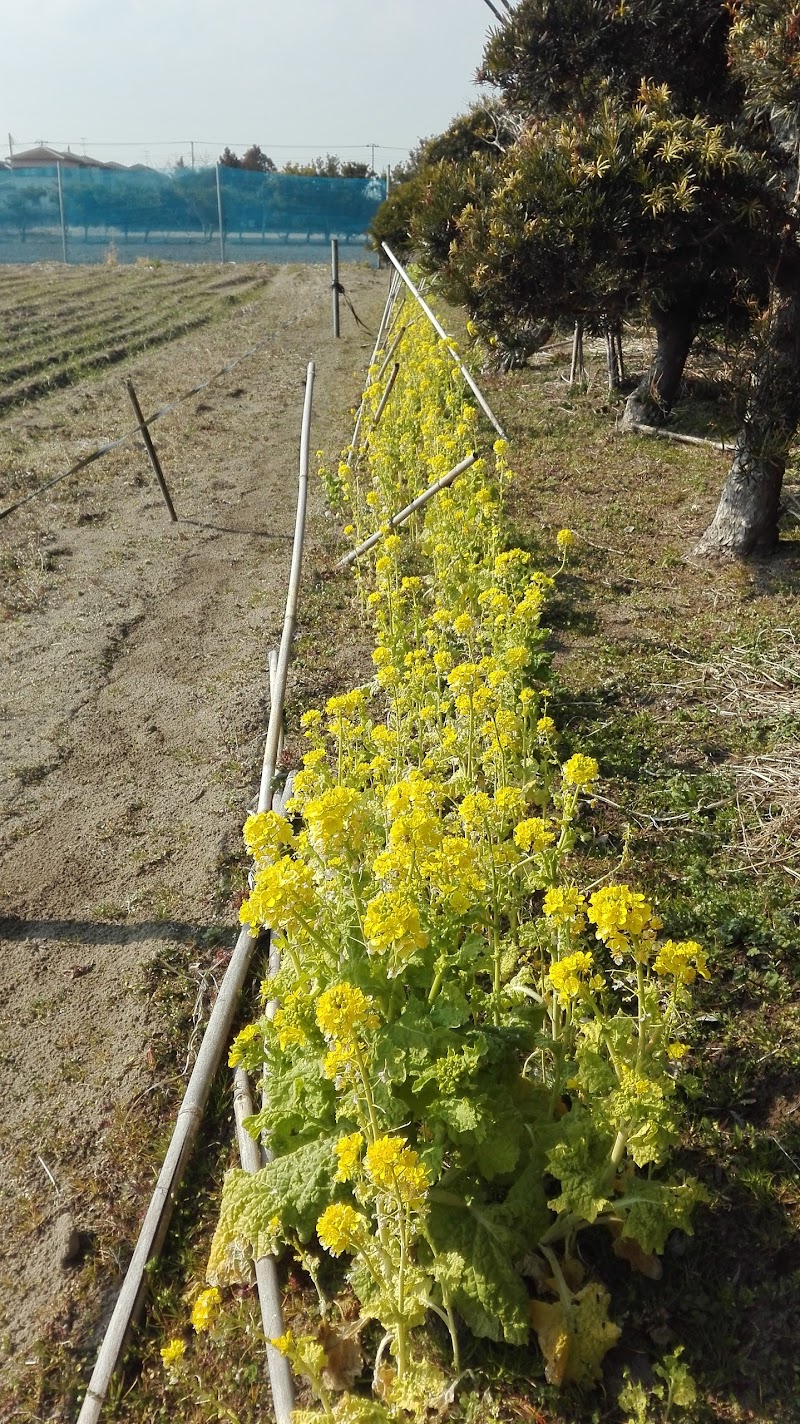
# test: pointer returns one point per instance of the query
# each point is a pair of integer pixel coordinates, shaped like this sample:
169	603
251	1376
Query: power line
208	143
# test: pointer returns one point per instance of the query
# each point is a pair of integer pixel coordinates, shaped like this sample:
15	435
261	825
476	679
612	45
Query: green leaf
580	1162
293	1188
650	1210
300	1105
473	1263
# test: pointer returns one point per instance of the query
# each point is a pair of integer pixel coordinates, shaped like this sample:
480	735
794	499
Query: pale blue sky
297	76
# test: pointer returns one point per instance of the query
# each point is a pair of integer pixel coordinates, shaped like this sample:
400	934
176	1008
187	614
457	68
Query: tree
228	159
256	161
681	192
765	54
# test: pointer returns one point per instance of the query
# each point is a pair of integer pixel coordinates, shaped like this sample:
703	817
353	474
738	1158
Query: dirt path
131	723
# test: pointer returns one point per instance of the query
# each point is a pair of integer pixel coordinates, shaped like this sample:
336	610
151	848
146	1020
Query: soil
132	717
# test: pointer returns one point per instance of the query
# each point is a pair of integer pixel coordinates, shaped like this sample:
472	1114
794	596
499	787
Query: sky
137	80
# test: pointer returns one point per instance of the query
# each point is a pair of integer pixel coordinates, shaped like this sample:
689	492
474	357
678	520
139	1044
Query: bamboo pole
394	287
220	217
335	288
390	353
253	1156
154	1227
482	402
385	397
656	433
61	213
280	1375
217	1034
151	450
290	617
406	513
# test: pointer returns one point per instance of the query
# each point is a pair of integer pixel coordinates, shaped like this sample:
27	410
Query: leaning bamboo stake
154	1227
404	514
275	730
577	370
269	1296
217	1034
253	1156
437	326
656	433
385	397
394	287
390	353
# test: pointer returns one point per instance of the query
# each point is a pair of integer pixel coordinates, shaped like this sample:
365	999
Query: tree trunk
651	402
746	521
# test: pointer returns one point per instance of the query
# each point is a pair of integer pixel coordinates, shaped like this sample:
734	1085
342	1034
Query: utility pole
10	146
372	166
191	145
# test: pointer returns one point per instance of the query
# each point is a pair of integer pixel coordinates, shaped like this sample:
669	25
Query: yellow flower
348	1151
565	540
337	821
533	835
267	835
475	811
340	1227
545	727
205	1308
455	872
283	895
677	1051
569	976
249	1035
580	771
510	802
683	961
621	915
391	921
173	1353
345	1011
564	905
395	1168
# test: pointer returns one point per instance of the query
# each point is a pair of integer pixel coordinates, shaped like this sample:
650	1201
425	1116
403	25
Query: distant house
44	157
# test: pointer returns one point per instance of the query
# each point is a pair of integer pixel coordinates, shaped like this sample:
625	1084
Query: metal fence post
61	212
219	212
335	283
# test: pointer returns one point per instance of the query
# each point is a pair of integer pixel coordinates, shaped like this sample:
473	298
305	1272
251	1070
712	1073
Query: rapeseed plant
460	1024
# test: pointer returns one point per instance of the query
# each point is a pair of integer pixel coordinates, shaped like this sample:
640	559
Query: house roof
44	156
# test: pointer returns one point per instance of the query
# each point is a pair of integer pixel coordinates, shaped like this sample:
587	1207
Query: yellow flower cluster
340	1227
624	921
580	771
345	1013
348	1151
682	961
533	835
565	905
396	1169
172	1354
267	836
281	897
205	1309
569	976
392	922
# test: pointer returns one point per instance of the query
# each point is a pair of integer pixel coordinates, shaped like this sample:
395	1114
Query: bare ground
132	713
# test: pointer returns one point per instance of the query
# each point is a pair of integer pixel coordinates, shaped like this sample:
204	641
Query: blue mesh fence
273	217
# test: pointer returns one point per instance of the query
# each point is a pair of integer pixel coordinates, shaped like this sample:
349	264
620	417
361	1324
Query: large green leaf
294	1188
474	1264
